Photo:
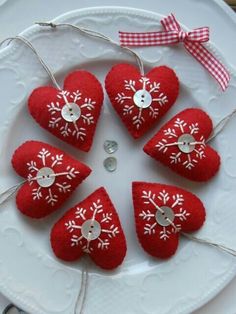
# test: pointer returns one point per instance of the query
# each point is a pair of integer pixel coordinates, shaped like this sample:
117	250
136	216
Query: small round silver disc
186	146
110	147
166	217
142	98
45	178
110	164
91	229
71	112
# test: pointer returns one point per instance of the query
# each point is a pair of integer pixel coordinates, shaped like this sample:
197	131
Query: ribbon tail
209	62
129	39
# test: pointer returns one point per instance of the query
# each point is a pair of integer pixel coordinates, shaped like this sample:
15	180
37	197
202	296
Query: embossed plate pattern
29	274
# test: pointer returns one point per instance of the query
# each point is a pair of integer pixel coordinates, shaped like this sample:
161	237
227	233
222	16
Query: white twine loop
28	44
7	194
99	35
216	245
81	299
46	68
220	126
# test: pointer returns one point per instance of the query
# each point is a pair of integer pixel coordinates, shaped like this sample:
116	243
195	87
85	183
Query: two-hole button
186	143
142	98
165	216
91	229
45	177
71	112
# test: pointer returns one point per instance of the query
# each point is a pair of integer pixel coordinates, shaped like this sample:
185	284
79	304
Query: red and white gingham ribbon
192	42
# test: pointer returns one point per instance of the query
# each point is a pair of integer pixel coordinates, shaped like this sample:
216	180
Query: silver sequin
110	164
110	147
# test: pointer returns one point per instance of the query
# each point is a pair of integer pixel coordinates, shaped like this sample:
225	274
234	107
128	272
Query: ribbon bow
192	41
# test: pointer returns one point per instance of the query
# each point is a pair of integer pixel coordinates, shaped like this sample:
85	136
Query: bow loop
192	41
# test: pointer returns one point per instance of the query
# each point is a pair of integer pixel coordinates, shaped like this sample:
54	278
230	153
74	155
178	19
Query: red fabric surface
82	88
199	165
32	199
117	85
108	250
156	240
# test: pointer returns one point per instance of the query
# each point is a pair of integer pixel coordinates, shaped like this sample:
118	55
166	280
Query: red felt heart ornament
92	227
161	213
51	177
141	101
181	145
70	114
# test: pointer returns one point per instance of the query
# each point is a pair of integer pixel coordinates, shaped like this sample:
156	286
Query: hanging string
7	194
46	68
191	237
27	43
216	245
99	35
220	126
81	299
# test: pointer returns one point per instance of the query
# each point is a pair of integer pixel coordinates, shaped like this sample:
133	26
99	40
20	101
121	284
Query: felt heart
91	227
161	213
70	114
51	177
181	145
139	100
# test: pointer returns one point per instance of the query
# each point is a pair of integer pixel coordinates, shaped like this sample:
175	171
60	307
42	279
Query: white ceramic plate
29	274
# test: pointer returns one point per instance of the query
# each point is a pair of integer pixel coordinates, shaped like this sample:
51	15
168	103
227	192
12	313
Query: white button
91	229
45	177
110	164
71	112
186	146
142	98
110	147
165	216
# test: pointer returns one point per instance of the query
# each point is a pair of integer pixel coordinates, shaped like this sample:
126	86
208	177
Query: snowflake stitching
107	231
46	159
156	202
71	128
188	160
156	96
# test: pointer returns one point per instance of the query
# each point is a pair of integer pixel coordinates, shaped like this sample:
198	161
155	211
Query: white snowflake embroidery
107	232
156	202
71	128
46	159
188	160
157	97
